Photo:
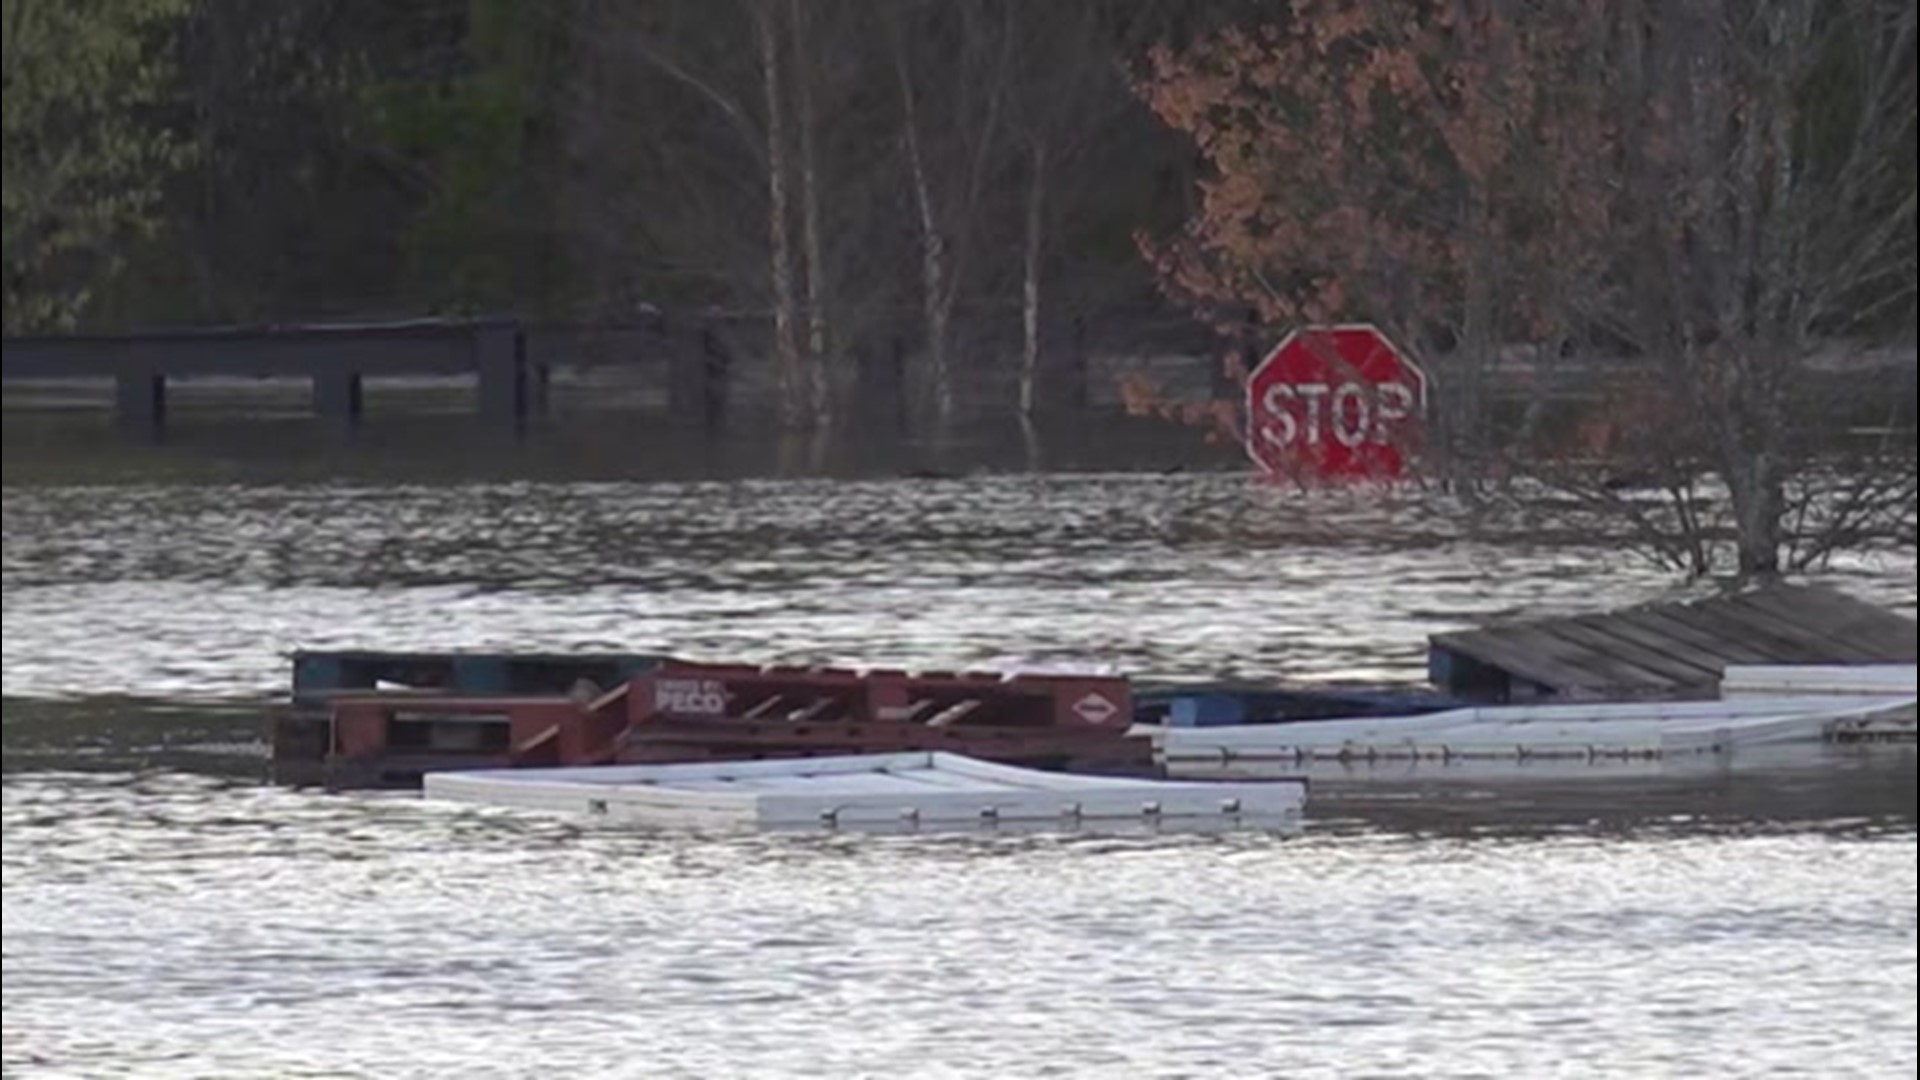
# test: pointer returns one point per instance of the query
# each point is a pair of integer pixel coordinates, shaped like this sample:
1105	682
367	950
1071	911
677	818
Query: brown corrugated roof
1675	647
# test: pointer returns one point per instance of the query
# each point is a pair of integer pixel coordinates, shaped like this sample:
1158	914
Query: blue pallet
1219	705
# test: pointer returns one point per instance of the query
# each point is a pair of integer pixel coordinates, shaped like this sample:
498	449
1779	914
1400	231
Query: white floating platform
1516	735
1846	681
907	790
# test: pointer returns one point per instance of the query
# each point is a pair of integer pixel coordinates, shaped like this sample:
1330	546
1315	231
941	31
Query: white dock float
908	790
1841	681
1643	733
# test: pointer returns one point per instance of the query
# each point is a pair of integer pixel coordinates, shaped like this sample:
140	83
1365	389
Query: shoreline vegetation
1698	200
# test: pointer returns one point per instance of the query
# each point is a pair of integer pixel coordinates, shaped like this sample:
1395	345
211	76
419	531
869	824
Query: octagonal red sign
1335	402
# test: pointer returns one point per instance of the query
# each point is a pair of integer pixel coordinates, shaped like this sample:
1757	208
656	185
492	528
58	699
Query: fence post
1078	395
716	371
140	404
337	398
500	355
686	371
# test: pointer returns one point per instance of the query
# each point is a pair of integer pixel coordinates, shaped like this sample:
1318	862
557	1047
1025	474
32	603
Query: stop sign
1334	401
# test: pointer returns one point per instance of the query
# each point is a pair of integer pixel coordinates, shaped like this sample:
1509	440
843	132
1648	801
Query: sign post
1335	403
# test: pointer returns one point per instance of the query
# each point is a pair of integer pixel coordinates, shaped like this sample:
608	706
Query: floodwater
167	915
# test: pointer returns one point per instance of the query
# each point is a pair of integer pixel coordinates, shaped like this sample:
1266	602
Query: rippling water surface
196	591
166	916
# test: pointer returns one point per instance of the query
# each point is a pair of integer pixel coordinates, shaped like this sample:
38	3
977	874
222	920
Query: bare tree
1765	198
780	253
1704	204
819	355
953	137
703	172
1069	79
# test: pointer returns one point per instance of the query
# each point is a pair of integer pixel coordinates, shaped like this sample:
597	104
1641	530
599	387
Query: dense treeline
1715	191
213	160
951	177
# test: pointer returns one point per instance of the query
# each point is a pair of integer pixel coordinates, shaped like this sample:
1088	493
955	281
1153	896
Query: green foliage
465	140
462	142
86	156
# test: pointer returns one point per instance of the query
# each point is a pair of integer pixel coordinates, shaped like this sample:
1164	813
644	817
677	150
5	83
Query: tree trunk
819	359
1030	292
1759	502
1468	438
933	267
936	294
779	239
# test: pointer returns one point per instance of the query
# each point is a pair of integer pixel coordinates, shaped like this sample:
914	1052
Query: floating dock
913	791
1843	681
381	719
1516	736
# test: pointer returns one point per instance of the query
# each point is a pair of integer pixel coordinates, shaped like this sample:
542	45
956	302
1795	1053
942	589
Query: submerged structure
678	711
1659	684
1515	739
1672	651
911	791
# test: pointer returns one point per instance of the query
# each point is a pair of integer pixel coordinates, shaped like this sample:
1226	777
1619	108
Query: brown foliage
1703	190
1367	157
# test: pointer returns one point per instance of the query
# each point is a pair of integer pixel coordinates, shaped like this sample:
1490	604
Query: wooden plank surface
1611	662
1494	648
1689	645
1776	647
1817	645
1862	625
1697	646
1678	663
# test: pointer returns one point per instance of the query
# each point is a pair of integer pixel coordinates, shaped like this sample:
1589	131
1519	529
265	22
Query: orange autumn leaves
1385	159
